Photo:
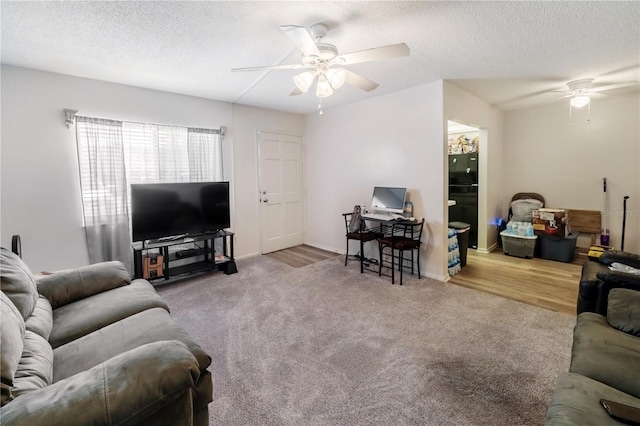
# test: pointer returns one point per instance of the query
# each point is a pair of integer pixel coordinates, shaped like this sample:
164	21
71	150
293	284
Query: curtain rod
70	114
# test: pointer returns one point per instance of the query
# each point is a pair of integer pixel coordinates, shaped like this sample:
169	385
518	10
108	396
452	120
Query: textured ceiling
512	54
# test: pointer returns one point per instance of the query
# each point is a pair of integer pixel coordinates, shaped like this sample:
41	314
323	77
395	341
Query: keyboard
384	217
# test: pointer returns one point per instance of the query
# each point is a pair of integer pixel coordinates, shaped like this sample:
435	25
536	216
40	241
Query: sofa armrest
125	389
611	256
622	278
68	286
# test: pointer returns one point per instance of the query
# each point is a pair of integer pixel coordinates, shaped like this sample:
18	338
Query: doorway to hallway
464	167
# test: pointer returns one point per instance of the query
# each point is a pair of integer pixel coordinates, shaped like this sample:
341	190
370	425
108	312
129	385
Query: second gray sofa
605	364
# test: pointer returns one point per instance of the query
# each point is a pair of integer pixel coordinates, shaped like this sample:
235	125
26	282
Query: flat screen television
165	210
387	199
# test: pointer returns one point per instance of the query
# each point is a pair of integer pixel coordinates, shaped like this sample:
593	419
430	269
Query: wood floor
544	283
538	282
300	256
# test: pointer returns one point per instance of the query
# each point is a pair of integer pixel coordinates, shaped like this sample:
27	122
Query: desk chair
360	235
405	236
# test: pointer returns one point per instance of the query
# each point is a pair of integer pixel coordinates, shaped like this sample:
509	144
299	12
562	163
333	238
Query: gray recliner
89	346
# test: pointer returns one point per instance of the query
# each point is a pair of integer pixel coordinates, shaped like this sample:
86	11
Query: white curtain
113	154
104	190
205	155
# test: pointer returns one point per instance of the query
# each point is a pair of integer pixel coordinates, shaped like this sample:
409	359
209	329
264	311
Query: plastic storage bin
562	249
518	246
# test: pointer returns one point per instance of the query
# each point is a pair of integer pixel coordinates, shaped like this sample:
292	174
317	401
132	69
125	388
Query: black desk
386	228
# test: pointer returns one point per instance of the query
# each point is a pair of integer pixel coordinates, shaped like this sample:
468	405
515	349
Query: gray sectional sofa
90	346
605	364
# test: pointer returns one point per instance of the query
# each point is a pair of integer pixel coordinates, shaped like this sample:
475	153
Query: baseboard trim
488	250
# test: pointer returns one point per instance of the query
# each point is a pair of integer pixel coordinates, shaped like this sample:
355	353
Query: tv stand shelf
201	256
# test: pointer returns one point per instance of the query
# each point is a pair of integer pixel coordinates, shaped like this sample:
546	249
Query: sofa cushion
11	344
606	354
152	325
35	370
18	283
127	389
623	312
41	319
576	401
87	315
149	326
70	285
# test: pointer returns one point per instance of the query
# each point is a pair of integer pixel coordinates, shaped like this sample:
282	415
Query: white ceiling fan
322	61
581	91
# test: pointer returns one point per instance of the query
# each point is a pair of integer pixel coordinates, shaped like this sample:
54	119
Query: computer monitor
386	199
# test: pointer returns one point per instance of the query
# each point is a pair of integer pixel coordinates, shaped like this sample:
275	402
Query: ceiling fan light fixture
304	80
579	101
323	88
336	77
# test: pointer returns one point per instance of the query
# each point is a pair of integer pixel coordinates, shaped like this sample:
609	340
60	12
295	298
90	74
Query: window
114	154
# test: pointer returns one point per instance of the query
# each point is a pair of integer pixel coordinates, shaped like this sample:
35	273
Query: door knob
266	200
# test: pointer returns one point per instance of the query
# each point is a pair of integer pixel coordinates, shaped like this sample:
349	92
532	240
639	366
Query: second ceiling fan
322	61
581	91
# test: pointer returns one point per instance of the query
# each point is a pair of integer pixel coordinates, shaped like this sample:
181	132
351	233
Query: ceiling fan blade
374	54
272	67
302	39
360	82
296	91
614	86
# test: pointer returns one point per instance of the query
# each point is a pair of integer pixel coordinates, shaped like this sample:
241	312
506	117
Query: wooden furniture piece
586	221
405	235
361	235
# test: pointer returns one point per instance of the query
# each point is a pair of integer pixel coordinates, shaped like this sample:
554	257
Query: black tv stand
200	255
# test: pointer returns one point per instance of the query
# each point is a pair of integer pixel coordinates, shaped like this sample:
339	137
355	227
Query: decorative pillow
11	345
623	310
523	209
18	283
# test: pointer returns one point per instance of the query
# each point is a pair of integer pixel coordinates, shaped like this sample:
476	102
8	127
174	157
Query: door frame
259	184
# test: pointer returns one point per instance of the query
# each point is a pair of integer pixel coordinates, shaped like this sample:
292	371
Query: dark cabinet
463	189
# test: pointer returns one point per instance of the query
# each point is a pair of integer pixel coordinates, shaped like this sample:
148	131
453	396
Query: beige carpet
326	345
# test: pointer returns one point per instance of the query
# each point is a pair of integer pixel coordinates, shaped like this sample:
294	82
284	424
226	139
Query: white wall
40	192
465	108
247	121
566	162
390	140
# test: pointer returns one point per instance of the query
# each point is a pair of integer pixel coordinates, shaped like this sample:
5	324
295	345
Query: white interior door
281	203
